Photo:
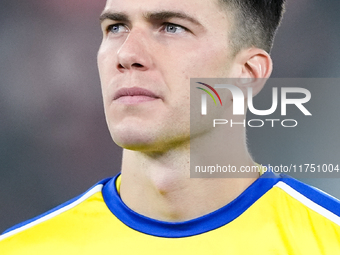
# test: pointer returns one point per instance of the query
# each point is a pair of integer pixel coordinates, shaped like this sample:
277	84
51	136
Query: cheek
216	63
102	62
202	62
107	57
106	68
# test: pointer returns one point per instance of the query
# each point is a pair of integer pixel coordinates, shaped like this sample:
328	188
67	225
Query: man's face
149	52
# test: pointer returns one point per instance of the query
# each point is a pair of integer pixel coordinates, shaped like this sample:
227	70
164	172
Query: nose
134	53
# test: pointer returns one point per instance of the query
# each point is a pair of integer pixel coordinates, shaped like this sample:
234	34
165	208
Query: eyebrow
164	15
118	16
155	16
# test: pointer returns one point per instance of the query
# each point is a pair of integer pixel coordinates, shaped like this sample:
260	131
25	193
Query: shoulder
59	215
311	197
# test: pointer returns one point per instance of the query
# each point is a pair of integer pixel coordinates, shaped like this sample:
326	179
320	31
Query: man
149	52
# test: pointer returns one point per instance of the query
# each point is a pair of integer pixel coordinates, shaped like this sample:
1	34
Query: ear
256	67
257	63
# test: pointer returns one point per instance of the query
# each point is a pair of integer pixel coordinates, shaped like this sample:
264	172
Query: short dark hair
255	22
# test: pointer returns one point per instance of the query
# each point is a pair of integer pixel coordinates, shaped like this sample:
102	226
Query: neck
158	185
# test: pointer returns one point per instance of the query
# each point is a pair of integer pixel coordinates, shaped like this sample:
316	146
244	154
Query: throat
161	188
174	199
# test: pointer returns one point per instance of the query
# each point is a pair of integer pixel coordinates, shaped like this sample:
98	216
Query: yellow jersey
275	215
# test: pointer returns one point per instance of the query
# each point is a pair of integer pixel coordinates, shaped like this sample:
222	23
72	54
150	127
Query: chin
134	139
151	140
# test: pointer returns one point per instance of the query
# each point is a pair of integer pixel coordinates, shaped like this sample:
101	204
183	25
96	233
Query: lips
134	95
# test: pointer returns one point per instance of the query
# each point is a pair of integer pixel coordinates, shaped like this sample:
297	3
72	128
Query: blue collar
192	227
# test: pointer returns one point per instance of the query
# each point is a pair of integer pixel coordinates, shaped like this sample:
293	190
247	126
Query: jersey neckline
192	227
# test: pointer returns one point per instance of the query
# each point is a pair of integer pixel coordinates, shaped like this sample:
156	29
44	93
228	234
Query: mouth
134	95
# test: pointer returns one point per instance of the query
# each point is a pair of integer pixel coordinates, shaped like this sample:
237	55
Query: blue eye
117	28
172	28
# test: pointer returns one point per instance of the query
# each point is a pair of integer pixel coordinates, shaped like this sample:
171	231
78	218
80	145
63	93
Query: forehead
203	10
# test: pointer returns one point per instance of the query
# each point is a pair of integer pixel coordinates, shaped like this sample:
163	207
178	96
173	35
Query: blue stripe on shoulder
54	209
317	196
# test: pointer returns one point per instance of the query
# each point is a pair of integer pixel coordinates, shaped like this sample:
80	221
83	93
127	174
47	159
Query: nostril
137	65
